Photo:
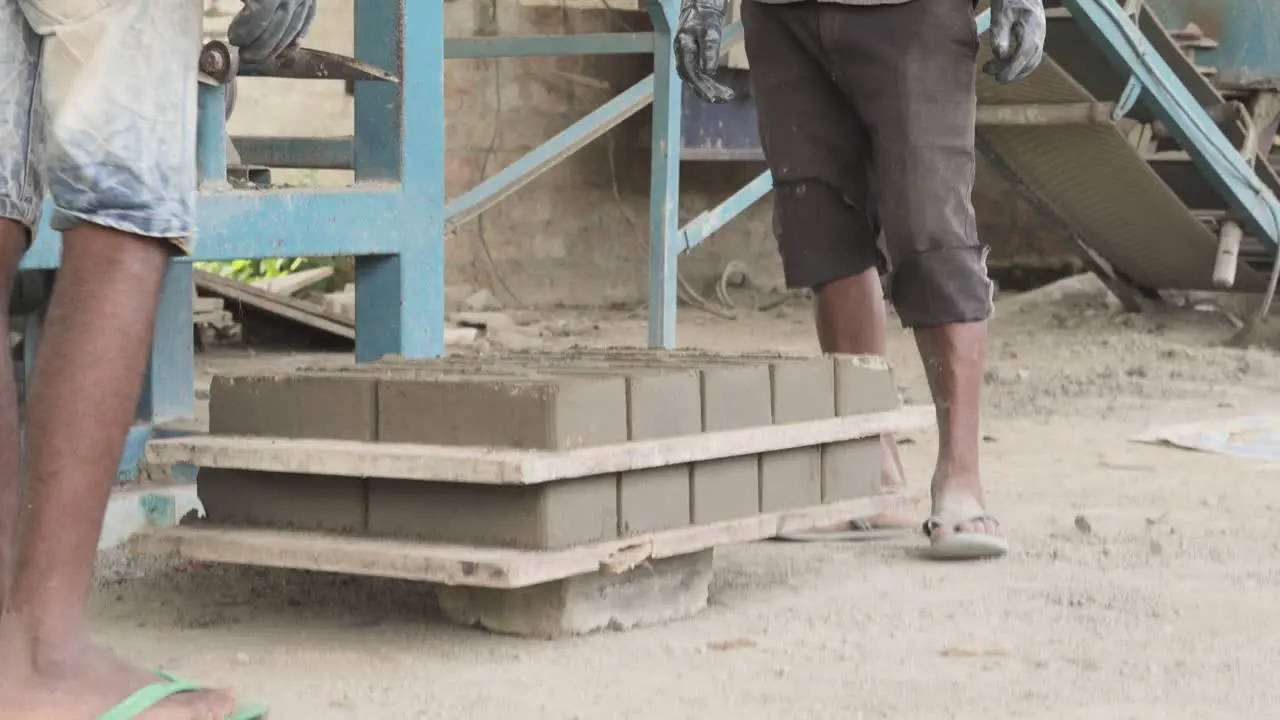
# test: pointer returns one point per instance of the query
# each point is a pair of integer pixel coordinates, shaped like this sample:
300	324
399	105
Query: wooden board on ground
472	566
299	311
492	466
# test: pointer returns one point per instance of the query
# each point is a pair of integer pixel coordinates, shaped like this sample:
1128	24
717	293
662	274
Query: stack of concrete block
549	402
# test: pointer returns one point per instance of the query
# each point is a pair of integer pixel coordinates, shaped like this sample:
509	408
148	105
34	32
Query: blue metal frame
394	217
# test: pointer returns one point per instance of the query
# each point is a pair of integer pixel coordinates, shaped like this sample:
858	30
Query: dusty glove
1017	39
265	29
697	48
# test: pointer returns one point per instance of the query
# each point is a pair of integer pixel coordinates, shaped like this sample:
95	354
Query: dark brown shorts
867	121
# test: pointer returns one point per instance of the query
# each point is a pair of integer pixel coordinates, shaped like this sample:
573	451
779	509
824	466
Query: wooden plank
499	466
298	311
471	566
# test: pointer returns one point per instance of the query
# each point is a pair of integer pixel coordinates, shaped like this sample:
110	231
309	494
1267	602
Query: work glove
265	29
697	48
1017	39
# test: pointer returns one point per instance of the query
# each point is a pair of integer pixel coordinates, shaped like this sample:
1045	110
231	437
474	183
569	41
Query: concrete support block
663	591
659	404
803	391
863	384
332	406
533	413
733	397
541	517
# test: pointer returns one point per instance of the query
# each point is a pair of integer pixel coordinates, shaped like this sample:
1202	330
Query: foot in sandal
52	679
960	528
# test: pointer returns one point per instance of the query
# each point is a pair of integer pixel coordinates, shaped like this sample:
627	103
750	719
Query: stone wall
578	234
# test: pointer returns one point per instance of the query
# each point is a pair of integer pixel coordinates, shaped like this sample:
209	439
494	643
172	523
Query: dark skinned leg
953	357
851	316
13	242
81	404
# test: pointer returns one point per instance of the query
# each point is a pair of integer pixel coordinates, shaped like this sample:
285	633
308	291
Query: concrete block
332	406
659	404
520	412
329	406
733	397
803	391
850	470
663	591
540	517
284	501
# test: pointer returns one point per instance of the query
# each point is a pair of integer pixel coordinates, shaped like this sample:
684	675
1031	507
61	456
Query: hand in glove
697	48
265	29
1017	39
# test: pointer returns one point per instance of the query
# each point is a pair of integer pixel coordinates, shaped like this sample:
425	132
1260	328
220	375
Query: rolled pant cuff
23	212
943	287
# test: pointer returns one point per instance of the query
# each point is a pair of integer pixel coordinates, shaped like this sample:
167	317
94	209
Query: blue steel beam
550	153
701	227
549	45
664	179
1121	42
400	136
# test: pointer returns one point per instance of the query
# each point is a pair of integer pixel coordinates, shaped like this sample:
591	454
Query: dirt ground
1163	609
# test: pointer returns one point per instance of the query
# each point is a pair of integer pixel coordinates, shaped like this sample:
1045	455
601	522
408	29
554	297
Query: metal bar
291	222
1045	115
701	227
211	135
303	153
548	154
548	45
1125	47
400	294
664	179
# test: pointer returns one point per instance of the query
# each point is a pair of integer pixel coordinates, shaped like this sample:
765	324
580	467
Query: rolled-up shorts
866	117
98	110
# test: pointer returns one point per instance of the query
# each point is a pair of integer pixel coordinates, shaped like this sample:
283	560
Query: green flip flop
152	695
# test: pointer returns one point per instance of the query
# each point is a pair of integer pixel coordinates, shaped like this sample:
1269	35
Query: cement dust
1156	611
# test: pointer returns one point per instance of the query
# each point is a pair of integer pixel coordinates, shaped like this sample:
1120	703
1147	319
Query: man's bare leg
851	316
954	356
81	404
13	242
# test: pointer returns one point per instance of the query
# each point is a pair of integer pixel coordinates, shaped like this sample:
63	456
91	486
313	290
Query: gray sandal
958	545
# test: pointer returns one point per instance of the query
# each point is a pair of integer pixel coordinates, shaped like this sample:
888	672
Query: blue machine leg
664	184
400	137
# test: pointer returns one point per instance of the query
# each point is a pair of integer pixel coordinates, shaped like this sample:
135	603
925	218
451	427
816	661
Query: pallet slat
517	467
471	566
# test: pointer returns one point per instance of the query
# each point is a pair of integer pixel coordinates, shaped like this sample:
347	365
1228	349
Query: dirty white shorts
98	110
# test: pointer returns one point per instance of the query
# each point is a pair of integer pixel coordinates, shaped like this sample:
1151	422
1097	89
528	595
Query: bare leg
81	403
13	242
953	358
850	315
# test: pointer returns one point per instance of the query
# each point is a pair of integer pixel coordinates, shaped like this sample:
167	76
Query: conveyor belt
1151	215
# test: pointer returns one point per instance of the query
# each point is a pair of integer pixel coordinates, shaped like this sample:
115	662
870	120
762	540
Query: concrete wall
577	235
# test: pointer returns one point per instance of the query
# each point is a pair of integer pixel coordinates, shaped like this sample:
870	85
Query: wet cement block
802	391
665	590
527	412
532	412
733	398
330	406
540	517
281	500
660	404
851	469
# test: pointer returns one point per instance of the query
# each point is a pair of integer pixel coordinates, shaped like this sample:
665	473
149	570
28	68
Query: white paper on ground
1254	438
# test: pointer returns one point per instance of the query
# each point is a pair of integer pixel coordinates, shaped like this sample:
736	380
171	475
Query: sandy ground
1163	610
